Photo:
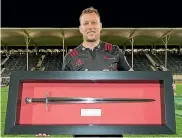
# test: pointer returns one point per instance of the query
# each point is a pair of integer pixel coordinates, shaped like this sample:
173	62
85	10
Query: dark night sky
55	13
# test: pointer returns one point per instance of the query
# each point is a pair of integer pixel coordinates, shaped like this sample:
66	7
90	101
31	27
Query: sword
74	100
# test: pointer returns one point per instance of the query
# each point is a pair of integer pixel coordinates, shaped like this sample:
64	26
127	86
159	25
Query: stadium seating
52	61
140	61
174	61
18	62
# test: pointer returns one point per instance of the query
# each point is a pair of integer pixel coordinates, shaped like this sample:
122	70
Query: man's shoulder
73	53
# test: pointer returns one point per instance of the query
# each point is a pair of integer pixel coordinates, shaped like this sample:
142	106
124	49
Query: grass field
178	103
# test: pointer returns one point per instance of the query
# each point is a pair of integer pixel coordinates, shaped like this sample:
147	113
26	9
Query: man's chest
95	61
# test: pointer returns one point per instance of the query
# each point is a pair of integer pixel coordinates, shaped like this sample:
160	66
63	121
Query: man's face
90	27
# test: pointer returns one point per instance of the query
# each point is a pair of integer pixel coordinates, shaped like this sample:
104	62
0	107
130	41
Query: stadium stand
53	62
174	62
140	60
45	52
18	62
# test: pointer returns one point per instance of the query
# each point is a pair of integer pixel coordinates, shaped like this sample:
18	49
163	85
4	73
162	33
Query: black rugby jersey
104	57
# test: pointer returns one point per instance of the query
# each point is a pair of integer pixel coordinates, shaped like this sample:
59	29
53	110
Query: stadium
43	49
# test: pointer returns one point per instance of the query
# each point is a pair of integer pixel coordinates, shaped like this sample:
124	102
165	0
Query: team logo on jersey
105	58
79	62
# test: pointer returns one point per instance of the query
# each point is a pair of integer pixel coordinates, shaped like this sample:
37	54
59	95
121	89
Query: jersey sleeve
123	63
66	64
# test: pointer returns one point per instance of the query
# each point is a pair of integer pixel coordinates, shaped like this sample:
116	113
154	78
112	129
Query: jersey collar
97	47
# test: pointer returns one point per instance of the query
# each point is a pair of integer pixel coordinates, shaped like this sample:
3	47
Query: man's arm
123	63
65	65
65	68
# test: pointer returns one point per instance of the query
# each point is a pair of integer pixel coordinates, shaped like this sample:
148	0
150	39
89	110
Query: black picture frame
169	126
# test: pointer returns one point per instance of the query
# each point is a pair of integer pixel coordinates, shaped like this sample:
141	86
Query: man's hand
42	135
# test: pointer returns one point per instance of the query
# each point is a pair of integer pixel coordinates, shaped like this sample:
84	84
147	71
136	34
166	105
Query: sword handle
30	100
38	100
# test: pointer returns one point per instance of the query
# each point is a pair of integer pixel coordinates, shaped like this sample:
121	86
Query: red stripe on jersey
73	53
108	46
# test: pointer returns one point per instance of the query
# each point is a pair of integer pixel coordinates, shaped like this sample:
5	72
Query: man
94	54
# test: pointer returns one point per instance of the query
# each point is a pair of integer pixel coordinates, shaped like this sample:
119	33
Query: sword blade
61	100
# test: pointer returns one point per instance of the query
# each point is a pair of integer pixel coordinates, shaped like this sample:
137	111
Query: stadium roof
72	36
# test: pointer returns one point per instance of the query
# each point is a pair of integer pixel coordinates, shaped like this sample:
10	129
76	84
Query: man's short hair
90	10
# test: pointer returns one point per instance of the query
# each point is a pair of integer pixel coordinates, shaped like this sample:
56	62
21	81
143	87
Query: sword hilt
39	100
30	100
